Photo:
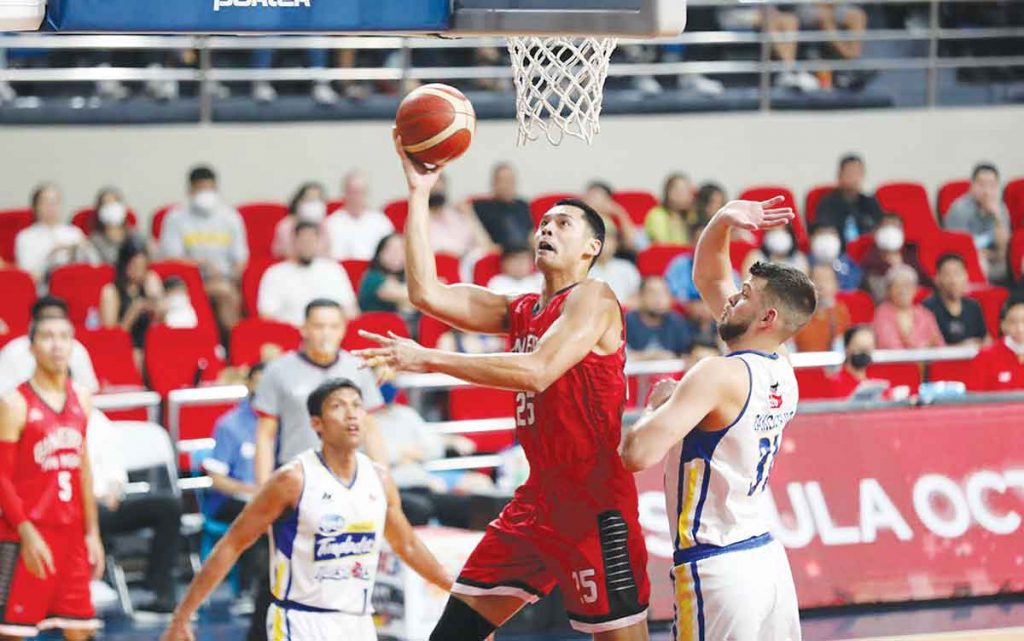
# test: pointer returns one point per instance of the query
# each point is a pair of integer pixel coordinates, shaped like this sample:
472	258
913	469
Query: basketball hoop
559	85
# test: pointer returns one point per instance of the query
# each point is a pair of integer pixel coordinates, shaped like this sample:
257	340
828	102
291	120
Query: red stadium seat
857	248
814	196
636	203
19	292
335	205
397	211
189	273
260	222
447	268
355	268
862	308
1013	196
197	421
951	242
923	293
250	335
251	278
813	383
486	268
80	286
468	403
541	204
654	260
1017	254
949	192
12	221
910	201
430	330
764	192
908	374
991	299
112	357
156	224
85	219
738	251
376	322
950	371
178	358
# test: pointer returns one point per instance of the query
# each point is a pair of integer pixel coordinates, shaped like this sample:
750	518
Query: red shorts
594	552
61	600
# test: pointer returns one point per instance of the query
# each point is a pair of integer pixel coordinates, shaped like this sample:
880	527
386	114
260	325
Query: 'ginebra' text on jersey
48	453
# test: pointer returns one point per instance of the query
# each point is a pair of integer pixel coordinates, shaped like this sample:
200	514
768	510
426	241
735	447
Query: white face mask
825	247
778	242
312	211
178	301
1014	346
206	200
889	238
112	214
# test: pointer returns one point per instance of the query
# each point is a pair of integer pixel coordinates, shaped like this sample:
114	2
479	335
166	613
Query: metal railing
930	37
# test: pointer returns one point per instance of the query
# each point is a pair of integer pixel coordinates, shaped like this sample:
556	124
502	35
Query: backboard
636	18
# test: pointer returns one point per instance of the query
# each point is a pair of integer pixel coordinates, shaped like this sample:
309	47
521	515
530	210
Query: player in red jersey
49	534
574	522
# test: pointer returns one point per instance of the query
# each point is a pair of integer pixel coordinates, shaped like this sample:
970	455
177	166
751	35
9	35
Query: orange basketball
436	123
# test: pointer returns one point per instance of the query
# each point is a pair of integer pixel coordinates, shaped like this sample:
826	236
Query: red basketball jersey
577	421
47	471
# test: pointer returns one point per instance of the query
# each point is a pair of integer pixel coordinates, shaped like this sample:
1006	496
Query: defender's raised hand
753	215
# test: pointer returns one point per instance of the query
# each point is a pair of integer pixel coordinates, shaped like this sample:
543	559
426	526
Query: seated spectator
859	347
178	310
709	199
778	246
517	275
982	213
774	20
128	514
230	467
653	330
356	229
827	249
620	274
454	229
834	18
847	208
831	319
899	322
671	221
321	91
49	242
599	196
383	288
1000	366
287	287
701	323
211	233
960	319
110	228
679	275
308	205
889	250
17	364
135	300
505	215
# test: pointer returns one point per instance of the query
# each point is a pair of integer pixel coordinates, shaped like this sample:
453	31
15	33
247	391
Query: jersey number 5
64	489
524	409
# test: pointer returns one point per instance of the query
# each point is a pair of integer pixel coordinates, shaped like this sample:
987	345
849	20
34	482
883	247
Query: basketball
436	123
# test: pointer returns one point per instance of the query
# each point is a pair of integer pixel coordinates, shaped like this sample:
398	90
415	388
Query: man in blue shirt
654	331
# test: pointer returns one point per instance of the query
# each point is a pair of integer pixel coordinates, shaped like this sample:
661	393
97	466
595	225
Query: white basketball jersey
715	481
324	553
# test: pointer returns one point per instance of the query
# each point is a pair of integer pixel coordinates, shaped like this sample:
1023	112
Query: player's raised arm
590	311
467	307
672	413
712	269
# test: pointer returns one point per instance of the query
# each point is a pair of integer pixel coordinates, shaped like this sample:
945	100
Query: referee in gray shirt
284	428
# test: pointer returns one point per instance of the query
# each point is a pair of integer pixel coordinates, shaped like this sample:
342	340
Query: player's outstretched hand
662	392
35	552
417	175
753	215
178	631
400	354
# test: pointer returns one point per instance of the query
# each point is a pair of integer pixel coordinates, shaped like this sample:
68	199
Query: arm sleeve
10	503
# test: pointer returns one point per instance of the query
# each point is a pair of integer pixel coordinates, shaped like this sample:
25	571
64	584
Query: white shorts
288	624
742	592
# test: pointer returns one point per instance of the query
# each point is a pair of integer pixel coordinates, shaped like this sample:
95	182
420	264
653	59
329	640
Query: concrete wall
268	161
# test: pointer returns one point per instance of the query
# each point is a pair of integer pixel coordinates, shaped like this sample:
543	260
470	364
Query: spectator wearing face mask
308	205
827	249
289	286
778	246
831	317
900	323
960	318
356	229
654	331
888	251
111	228
210	232
1000	366
982	213
859	347
178	310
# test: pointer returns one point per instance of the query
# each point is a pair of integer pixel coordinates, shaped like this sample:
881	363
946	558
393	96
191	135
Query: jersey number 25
524	409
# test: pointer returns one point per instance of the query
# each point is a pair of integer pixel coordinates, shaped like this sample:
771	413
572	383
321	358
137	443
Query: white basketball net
559	85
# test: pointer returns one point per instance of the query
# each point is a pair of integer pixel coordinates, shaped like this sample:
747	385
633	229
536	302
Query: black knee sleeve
459	622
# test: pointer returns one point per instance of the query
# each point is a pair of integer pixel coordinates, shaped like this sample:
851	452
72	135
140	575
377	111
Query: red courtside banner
886	505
